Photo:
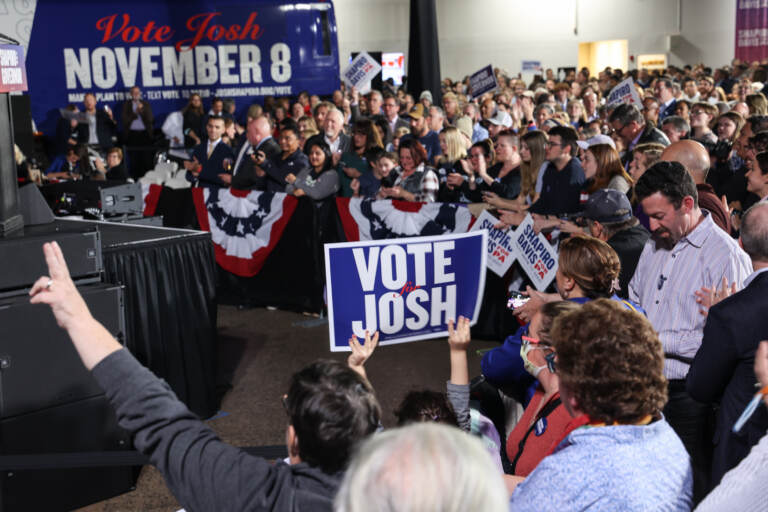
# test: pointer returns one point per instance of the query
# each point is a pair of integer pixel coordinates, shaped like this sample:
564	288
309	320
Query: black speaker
23	261
33	207
49	403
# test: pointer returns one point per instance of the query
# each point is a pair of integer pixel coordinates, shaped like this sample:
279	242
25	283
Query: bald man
246	175
695	159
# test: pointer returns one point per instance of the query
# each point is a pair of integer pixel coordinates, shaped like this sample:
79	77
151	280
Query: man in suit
210	158
628	123
722	369
394	121
137	121
667	103
246	175
333	134
101	127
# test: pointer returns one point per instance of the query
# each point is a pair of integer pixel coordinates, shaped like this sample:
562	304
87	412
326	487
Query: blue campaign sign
407	288
240	49
482	81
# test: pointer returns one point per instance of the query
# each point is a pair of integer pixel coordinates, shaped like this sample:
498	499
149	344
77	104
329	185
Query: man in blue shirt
420	130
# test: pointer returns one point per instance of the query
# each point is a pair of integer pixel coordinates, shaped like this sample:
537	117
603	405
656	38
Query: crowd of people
627	379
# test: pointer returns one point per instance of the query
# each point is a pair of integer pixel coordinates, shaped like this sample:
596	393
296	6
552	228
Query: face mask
529	366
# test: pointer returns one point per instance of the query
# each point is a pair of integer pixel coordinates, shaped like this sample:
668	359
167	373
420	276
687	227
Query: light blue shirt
479	133
623	467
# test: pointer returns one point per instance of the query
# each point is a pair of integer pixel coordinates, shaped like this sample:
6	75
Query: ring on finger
49	284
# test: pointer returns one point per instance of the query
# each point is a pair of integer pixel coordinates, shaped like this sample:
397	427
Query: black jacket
106	130
203	472
723	371
245	177
628	244
560	190
278	168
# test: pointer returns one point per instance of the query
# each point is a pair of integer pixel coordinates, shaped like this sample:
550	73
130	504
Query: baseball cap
608	205
597	139
501	118
425	94
417	111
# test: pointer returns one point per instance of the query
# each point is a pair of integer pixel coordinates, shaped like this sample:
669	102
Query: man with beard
686	252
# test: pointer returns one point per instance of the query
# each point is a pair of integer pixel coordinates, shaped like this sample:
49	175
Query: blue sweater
621	468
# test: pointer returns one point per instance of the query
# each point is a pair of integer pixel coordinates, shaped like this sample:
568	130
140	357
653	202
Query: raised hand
459	337
361	353
708	297
58	291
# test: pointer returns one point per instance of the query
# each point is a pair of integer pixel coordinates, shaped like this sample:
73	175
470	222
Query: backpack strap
543	413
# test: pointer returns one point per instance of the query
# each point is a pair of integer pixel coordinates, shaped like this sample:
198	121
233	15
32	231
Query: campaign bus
239	49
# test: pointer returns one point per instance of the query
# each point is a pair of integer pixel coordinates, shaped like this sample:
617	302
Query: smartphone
516	299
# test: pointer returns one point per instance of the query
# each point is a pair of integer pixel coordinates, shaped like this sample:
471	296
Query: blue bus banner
230	49
407	288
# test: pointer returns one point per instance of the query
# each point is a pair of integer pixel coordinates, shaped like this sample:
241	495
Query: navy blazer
213	166
278	168
668	111
723	371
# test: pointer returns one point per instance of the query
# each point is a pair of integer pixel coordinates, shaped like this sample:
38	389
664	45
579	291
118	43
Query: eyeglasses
552	144
612	130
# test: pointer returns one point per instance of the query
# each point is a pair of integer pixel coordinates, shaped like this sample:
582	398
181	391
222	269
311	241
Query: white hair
423	466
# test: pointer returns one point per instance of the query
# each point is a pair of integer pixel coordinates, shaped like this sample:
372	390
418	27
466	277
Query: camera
389	180
516	300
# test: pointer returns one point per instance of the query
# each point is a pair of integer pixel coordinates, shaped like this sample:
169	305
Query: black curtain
170	294
423	51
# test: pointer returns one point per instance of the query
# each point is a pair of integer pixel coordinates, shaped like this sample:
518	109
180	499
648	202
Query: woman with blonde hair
576	113
454	150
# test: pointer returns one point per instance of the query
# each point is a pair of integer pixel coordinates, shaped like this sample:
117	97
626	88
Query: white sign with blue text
536	255
501	249
406	288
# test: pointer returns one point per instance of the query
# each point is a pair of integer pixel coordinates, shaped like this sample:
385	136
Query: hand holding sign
361	353
407	289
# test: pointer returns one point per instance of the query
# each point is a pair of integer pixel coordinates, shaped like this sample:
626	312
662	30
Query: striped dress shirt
743	487
665	281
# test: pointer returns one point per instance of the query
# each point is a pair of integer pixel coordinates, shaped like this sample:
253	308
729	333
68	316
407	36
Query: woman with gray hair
423	466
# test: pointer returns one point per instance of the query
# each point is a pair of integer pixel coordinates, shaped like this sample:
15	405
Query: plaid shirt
423	184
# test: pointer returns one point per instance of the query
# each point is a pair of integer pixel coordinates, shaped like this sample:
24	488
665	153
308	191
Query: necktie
210	149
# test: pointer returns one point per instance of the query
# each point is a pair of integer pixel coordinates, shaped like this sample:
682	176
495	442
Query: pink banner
751	30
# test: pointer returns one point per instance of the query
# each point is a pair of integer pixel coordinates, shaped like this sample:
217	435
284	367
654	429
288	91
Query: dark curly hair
671	180
611	360
425	405
592	263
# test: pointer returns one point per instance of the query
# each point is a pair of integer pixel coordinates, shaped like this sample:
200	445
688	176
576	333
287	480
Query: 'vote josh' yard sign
407	289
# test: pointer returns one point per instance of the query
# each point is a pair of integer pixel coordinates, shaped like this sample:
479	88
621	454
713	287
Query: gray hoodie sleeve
458	395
